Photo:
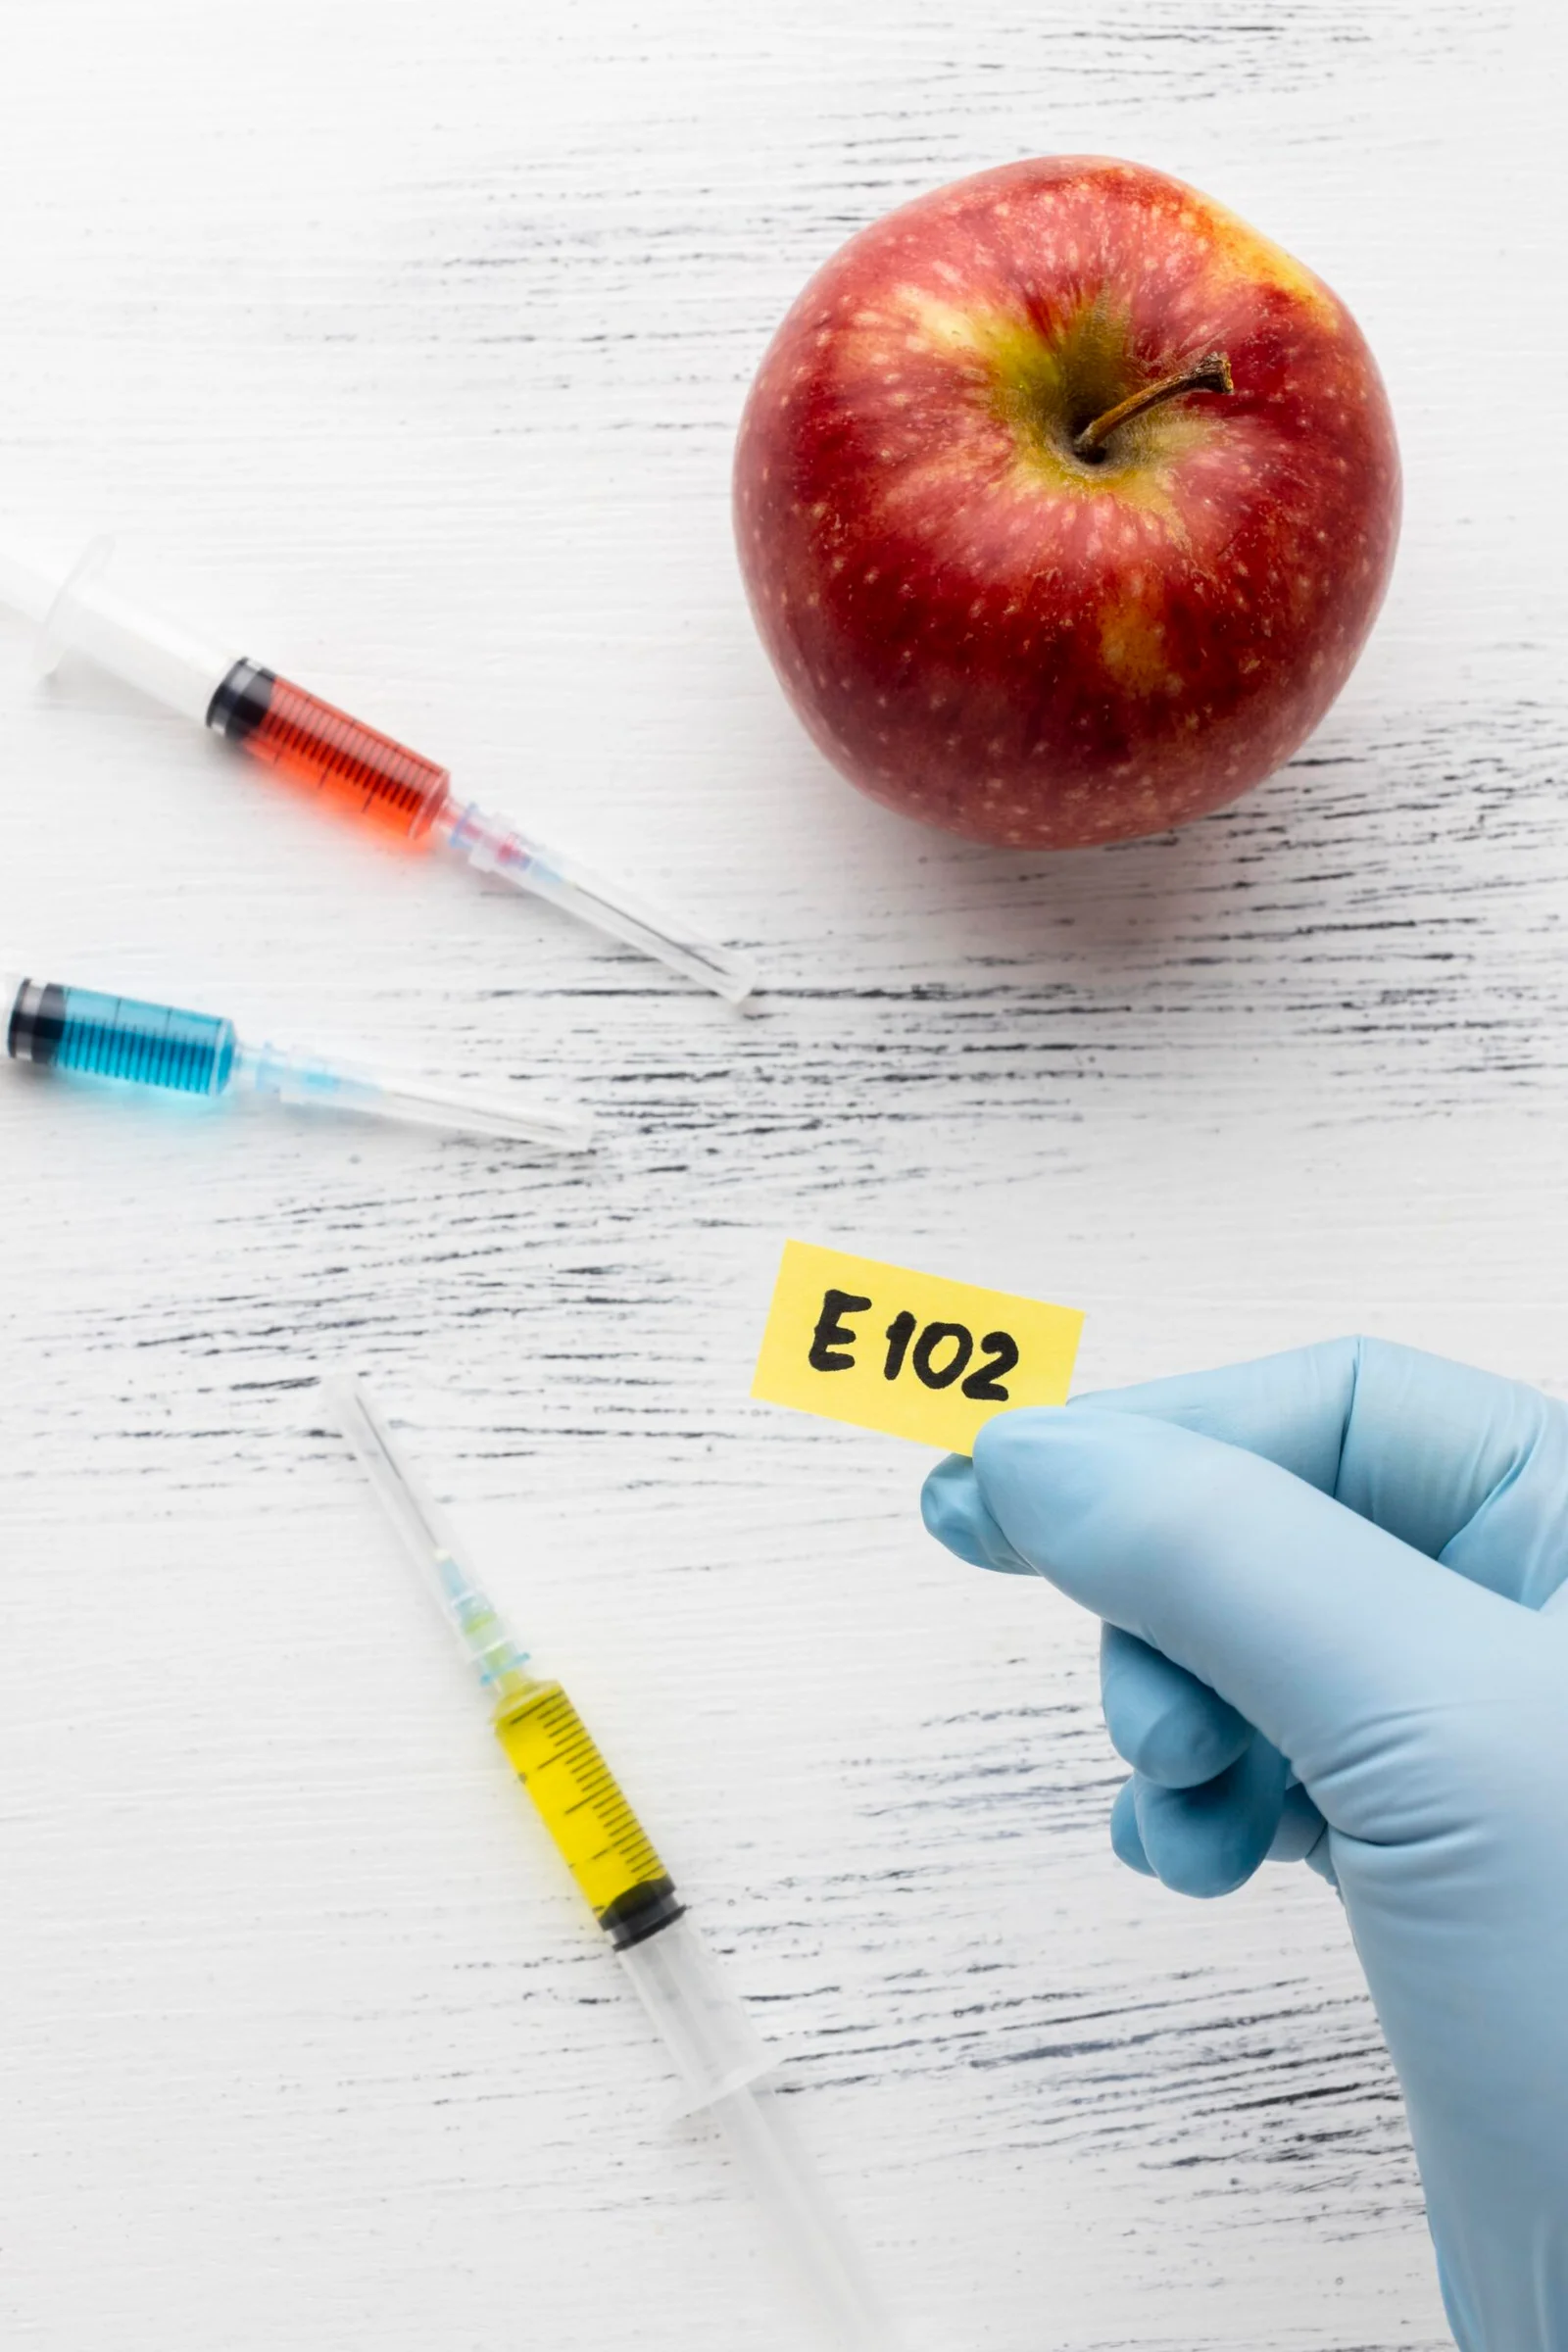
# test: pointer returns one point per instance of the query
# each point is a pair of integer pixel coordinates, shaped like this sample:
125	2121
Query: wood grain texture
408	344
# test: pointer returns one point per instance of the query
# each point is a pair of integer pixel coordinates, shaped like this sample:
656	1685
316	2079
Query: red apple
1027	569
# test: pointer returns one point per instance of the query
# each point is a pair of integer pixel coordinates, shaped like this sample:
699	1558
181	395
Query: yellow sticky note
909	1353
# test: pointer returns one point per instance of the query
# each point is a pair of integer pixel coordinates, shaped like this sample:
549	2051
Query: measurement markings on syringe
605	1845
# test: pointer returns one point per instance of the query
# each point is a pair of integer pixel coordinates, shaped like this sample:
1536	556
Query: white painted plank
411	343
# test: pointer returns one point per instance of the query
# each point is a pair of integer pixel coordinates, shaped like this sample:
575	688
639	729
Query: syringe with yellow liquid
720	2057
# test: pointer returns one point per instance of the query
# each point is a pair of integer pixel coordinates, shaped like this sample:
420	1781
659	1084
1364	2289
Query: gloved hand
1336	1627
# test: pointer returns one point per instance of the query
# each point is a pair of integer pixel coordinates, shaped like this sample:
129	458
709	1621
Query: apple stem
1211	373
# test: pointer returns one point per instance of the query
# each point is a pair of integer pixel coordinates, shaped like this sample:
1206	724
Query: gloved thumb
1318	1627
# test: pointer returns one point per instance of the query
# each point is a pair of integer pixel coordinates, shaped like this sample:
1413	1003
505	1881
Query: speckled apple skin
996	639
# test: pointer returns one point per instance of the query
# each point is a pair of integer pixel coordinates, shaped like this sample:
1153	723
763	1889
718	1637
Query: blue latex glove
1352	1559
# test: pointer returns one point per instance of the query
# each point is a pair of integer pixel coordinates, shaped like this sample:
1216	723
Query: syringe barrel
705	2028
714	2046
582	1805
328	752
119	1037
89	615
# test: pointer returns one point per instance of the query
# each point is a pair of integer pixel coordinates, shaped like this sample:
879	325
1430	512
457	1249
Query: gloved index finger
1460	1464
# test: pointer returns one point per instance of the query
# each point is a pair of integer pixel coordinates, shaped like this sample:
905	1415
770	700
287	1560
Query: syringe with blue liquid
66	1028
323	749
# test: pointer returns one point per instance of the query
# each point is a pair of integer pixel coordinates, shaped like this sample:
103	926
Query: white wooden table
410	342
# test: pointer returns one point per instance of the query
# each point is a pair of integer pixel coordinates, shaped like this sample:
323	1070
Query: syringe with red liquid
327	752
